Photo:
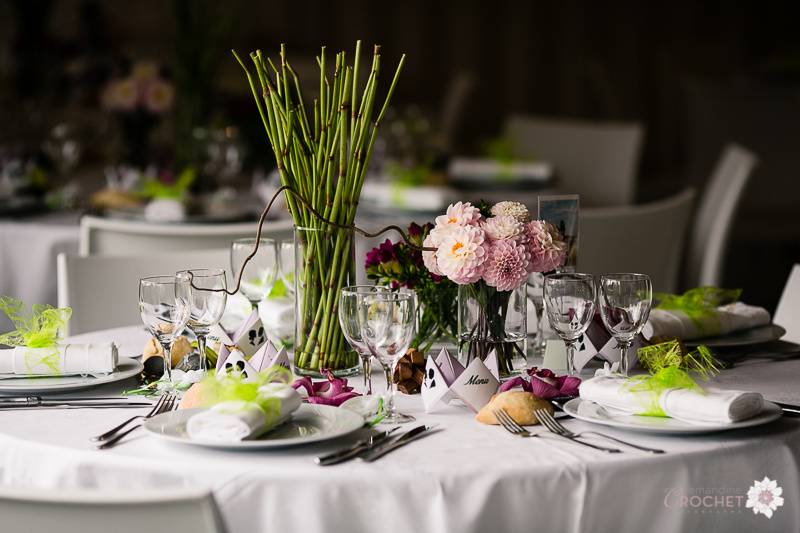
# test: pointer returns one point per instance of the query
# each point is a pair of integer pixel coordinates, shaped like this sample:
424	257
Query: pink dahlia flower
459	214
502	227
461	254
507	265
548	251
429	258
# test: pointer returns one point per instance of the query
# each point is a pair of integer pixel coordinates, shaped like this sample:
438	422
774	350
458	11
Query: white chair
597	160
647	238
132	237
787	313
714	219
46	511
103	291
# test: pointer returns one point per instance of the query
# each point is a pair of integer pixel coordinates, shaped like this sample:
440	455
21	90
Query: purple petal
569	385
335	401
515	382
542	389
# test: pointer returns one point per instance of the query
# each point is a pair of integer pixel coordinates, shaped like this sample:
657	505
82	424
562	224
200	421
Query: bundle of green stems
322	155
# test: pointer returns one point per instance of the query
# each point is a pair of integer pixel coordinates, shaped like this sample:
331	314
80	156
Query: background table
468	477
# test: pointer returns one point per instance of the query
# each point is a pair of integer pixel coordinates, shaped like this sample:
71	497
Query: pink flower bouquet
490	252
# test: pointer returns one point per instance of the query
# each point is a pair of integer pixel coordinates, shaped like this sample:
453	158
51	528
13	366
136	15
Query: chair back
38	511
133	237
103	291
597	160
715	214
787	313
647	238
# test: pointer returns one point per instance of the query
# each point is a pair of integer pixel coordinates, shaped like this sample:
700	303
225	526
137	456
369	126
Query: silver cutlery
154	411
555	427
26	402
564	432
170	404
383	448
510	425
353	451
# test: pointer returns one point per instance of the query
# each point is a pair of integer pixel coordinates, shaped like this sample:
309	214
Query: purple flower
386	251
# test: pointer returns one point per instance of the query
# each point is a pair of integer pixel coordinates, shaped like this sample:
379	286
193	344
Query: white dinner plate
310	423
658	424
759	335
126	368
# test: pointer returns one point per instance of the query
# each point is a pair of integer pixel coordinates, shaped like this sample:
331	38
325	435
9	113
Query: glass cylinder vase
324	264
489	319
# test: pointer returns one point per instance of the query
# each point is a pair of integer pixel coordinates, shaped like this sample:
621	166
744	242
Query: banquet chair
103	291
597	160
787	314
714	218
83	511
646	238
131	237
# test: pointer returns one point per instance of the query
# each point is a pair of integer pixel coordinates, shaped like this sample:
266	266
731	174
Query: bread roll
518	404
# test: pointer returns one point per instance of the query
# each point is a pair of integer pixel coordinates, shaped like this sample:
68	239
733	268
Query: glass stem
167	363
623	357
571	358
388	404
367	367
201	348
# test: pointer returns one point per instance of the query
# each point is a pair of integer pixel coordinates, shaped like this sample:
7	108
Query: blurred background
112	97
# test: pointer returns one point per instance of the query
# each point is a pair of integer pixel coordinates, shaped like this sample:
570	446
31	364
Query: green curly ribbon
699	303
38	329
670	368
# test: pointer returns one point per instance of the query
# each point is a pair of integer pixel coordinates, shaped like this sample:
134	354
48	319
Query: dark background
696	74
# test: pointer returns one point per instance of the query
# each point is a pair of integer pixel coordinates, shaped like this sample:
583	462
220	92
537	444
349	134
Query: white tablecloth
28	250
467	478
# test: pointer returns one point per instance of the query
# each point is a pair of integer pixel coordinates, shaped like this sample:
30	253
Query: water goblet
625	301
348	319
387	321
259	272
162	312
570	305
202	291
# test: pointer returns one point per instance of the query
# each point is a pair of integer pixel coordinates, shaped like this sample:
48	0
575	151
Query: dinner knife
788	409
382	449
354	450
36	401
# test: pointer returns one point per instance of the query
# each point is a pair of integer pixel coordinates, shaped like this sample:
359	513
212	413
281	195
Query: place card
266	357
251	334
447	379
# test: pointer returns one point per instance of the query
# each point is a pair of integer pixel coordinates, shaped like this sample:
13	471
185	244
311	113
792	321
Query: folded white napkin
236	421
67	359
726	319
715	406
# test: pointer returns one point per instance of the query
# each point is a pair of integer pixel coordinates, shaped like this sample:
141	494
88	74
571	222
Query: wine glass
387	321
625	301
570	305
348	319
163	312
260	272
202	291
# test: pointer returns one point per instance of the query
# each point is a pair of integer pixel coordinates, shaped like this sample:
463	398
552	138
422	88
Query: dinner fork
170	404
110	433
557	427
510	425
544	420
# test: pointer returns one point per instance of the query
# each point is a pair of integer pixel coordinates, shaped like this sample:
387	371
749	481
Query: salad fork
557	427
170	404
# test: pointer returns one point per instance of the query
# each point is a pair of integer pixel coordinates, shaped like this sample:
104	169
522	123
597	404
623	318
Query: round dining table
467	477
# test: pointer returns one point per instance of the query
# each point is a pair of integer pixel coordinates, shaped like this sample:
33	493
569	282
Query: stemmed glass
163	312
387	321
202	291
348	319
625	301
570	305
260	272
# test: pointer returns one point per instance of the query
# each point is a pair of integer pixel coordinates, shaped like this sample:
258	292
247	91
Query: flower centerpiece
489	252
399	265
322	152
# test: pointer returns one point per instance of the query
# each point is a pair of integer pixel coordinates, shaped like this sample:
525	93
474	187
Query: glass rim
625	276
570	276
252	240
201	272
162	279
